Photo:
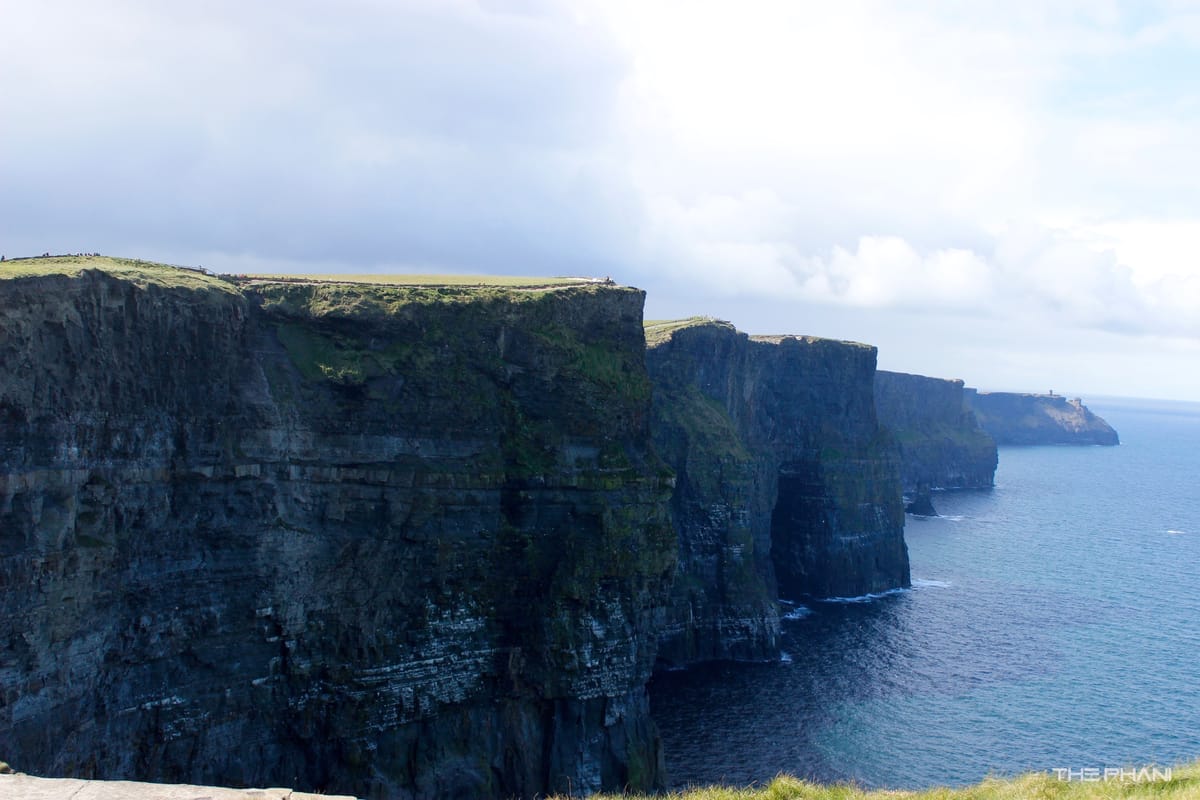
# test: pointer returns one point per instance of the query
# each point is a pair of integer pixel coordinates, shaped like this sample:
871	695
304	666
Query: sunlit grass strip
130	269
168	274
1184	782
660	330
520	282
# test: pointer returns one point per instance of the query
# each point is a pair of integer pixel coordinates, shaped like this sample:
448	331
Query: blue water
1054	623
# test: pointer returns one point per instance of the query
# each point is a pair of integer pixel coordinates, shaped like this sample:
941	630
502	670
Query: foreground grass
1184	783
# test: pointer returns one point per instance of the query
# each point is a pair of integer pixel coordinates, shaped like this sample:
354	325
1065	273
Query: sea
1053	624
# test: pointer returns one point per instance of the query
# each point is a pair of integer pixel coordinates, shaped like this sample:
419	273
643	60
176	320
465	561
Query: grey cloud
439	133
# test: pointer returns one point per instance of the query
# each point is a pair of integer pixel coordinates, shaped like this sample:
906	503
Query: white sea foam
929	583
1174	532
797	612
784	657
864	598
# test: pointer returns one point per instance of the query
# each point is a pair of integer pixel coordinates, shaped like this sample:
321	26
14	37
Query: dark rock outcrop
785	485
920	503
941	443
1038	419
376	540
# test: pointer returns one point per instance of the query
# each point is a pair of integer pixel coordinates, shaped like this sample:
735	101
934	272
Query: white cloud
1024	162
886	271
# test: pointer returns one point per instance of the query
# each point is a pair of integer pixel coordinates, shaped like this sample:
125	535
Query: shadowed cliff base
785	485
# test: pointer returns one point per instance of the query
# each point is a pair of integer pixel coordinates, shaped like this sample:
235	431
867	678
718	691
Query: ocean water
1054	622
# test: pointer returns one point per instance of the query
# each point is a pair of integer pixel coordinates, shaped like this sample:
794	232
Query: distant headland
1026	419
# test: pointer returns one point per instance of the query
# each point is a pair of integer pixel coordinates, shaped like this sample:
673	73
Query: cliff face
375	540
1038	419
785	484
941	443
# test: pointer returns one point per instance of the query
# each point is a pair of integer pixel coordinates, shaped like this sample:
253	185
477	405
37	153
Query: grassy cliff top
142	273
1039	396
1183	784
661	330
463	281
776	338
168	274
394	289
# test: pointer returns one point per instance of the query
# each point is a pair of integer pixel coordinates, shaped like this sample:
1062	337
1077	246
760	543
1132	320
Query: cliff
785	486
1038	419
941	443
382	540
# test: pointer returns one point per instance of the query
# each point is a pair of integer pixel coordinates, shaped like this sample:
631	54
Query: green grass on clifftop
146	272
777	338
142	273
660	330
509	281
330	299
1184	784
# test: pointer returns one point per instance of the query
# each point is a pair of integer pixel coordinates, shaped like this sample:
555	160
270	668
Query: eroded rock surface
385	541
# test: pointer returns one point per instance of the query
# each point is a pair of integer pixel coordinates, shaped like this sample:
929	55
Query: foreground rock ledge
27	787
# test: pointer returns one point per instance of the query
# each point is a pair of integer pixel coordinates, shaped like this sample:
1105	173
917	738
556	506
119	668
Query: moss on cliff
412	329
707	433
338	358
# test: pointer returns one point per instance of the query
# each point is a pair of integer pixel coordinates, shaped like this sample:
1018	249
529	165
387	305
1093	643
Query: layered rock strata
377	540
785	485
1025	419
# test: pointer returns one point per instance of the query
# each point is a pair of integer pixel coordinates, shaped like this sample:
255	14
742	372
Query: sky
1005	192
